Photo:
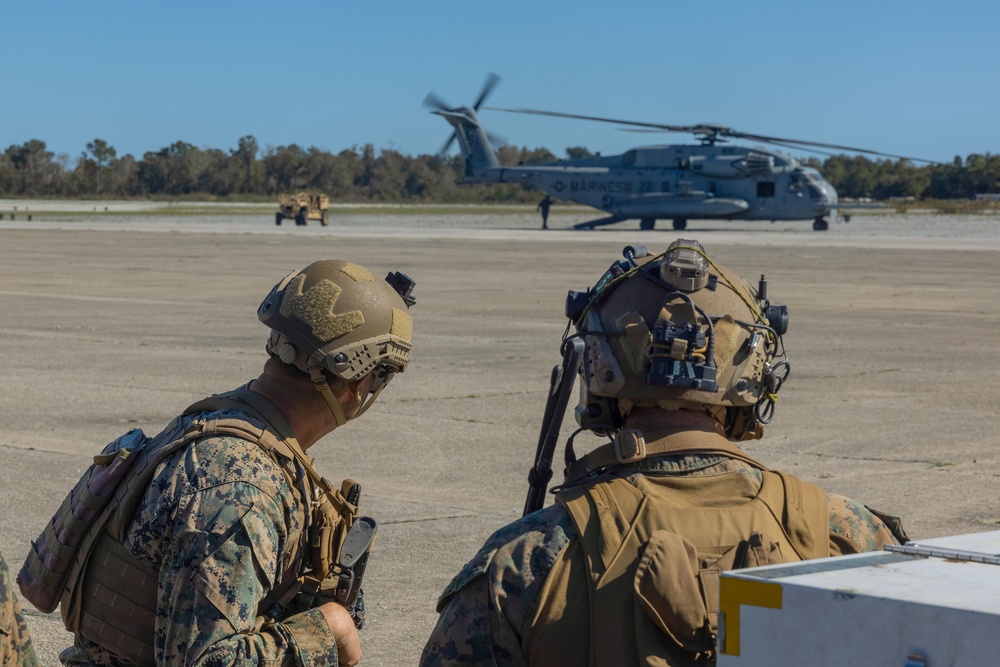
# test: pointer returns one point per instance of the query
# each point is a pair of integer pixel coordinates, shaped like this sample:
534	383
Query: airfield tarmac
121	321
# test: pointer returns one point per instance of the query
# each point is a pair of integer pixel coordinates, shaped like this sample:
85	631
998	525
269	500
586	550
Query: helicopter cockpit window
765	188
628	158
814	184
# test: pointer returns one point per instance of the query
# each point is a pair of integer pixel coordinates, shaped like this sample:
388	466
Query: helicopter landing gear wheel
820	225
680	224
647	224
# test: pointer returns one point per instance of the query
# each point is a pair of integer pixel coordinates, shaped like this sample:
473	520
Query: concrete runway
112	323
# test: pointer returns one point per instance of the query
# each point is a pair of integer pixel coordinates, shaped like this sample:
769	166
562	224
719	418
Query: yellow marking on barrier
734	592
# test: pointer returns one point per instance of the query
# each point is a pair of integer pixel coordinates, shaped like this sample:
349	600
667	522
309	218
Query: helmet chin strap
368	403
336	409
319	381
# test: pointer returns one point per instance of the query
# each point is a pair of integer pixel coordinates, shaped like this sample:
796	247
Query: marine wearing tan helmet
335	318
679	359
137	524
679	331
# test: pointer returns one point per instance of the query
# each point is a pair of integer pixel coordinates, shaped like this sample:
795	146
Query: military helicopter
708	181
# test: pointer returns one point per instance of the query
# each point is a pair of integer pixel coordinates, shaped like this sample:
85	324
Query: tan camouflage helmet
678	330
338	317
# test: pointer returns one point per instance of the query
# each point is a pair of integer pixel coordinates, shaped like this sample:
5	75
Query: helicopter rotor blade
491	82
434	102
796	143
558	114
713	132
803	148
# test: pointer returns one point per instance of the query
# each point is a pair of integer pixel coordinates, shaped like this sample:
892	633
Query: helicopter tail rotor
440	107
434	102
491	82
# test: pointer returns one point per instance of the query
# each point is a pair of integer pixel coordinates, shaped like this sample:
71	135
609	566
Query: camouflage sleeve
15	642
217	521
221	562
487	608
854	528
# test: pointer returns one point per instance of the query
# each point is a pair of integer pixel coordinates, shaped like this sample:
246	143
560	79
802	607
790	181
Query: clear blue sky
909	77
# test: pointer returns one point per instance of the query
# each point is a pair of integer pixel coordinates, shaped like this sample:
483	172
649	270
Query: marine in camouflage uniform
216	522
227	526
524	598
15	642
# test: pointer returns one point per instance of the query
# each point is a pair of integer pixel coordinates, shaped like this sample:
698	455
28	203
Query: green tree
284	169
94	167
37	173
246	157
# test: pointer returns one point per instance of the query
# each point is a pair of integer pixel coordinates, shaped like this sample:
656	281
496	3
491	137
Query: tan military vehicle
302	208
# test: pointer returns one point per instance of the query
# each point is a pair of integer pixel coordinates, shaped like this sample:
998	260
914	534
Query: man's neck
299	403
656	420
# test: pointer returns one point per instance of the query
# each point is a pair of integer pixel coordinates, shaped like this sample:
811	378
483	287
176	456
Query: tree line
363	174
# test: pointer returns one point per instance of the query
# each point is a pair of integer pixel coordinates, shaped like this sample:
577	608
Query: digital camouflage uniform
217	521
487	610
15	642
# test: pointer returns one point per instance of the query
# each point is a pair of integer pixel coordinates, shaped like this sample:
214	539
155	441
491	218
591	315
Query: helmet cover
338	316
676	330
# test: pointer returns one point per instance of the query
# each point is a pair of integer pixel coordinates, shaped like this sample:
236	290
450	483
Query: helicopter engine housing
729	166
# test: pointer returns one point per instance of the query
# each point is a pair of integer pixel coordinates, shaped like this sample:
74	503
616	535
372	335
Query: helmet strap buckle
630	445
336	409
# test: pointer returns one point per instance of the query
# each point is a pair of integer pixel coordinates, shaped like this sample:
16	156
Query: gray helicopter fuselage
681	181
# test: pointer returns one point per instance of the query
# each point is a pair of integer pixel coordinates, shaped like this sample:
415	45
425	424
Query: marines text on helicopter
674	182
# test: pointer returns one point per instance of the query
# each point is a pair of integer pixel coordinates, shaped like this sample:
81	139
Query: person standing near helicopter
544	206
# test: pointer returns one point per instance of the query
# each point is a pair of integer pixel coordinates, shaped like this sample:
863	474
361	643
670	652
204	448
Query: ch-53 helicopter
673	182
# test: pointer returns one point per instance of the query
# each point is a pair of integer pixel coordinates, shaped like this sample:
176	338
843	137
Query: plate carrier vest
654	546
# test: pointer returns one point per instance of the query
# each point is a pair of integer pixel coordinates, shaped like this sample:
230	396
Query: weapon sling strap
615	521
110	596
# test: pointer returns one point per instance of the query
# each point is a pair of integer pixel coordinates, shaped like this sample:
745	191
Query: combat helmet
678	331
336	317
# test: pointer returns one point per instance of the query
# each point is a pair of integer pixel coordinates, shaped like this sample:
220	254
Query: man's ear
359	388
354	391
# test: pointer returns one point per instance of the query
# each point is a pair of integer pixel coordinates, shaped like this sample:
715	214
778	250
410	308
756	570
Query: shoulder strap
603	514
249	402
802	511
252	403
